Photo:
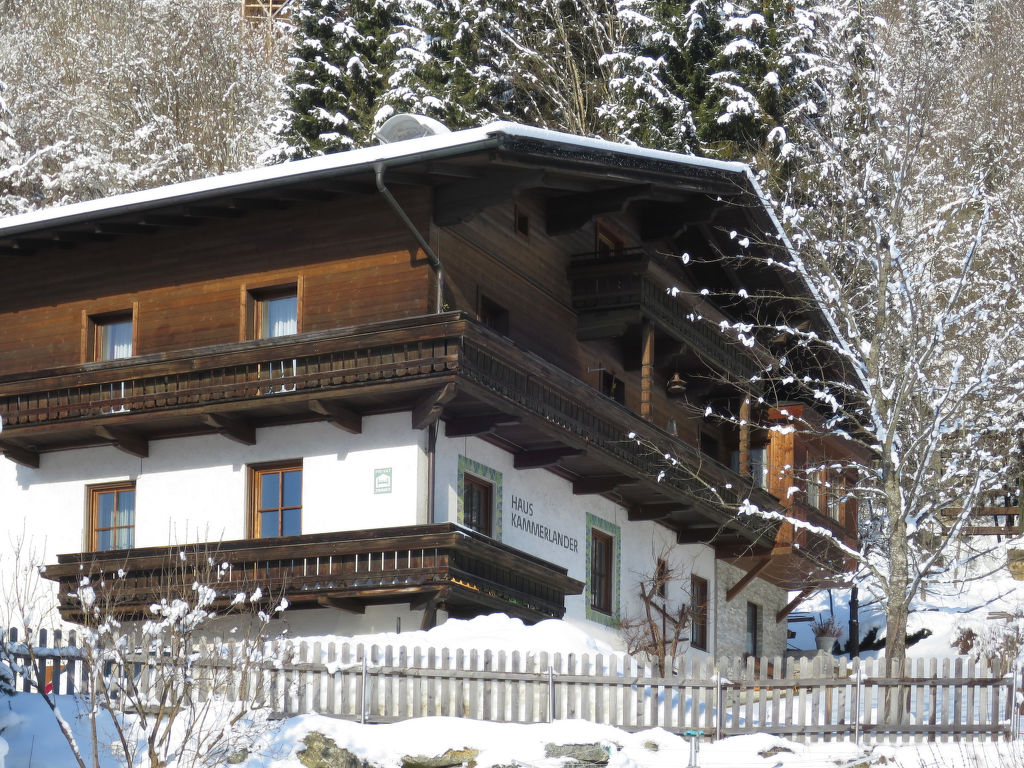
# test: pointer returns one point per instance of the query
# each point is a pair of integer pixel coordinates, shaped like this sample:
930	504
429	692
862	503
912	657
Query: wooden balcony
429	566
438	367
613	294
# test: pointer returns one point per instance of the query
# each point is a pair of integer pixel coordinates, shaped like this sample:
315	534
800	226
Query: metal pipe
431	470
432	258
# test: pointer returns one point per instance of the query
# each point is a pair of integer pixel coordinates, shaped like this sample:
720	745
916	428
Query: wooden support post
19	455
750	575
231	427
745	435
338	415
429	408
129	443
792	604
647	372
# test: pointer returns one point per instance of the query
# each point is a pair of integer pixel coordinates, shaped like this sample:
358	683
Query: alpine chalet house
435	378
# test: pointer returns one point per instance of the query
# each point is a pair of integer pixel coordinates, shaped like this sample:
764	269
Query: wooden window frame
93	530
601	591
699	620
92	331
487	490
253	296
256	471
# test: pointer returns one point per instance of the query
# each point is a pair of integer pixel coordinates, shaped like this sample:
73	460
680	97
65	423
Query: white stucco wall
195	489
543	498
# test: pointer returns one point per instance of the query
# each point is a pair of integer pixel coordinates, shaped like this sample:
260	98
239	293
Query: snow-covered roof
413	150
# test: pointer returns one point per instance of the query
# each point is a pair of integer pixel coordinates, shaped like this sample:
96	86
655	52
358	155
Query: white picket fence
820	698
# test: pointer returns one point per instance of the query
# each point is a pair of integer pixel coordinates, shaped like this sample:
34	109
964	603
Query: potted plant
826	632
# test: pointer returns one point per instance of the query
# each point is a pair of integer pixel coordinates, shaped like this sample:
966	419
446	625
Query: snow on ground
35	742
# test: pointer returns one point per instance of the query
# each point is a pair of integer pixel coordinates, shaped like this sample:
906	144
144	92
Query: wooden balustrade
460	567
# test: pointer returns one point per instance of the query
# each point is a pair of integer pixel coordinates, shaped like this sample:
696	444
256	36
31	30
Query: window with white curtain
277	314
113	336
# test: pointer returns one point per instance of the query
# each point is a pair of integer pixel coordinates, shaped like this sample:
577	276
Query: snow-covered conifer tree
119	95
343	57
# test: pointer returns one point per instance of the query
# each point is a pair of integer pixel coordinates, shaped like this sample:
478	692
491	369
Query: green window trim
609	620
492	476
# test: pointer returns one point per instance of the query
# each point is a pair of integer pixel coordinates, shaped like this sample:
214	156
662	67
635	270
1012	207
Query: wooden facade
556	335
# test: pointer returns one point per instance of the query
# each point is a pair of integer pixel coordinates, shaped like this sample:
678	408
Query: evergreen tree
646	102
451	66
344	54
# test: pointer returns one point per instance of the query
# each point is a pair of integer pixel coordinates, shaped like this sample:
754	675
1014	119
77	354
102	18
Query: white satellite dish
404	126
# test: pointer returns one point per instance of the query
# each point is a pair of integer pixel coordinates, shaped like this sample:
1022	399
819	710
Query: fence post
551	693
718	704
856	708
362	694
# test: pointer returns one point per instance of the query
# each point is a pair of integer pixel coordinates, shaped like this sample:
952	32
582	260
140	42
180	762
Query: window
661	579
276	313
111	336
813	474
601	545
613	387
477	505
112	517
753	645
699	619
834	492
493	315
277	500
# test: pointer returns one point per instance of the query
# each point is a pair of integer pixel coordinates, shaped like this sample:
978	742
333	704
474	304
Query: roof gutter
435	262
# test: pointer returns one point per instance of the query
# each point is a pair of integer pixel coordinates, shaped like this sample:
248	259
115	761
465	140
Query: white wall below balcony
195	489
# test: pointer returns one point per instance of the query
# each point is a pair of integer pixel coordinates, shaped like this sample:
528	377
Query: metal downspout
435	262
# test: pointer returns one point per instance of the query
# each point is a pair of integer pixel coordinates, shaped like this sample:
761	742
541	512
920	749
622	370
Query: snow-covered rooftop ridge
296	170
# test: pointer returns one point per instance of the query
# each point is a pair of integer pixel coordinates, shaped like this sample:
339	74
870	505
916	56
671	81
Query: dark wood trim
657	511
748	577
338	415
231	427
600	484
346	604
19	455
93	492
544	458
124	441
477	425
429	407
792	604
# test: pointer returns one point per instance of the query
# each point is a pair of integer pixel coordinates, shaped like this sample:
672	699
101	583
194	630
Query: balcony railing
456	567
603	285
405	355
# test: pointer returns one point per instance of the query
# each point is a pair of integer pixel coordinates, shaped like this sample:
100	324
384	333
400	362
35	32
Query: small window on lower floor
277	500
112	517
478	506
601	553
699	618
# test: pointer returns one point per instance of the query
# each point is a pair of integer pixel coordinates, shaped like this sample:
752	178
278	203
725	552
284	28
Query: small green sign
382	480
